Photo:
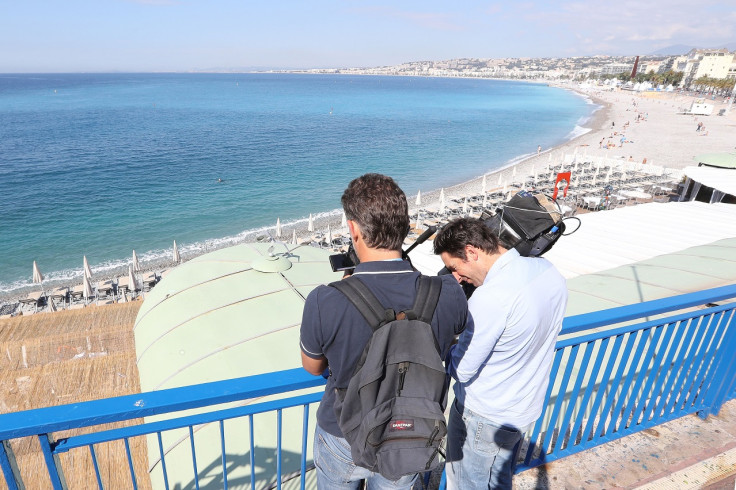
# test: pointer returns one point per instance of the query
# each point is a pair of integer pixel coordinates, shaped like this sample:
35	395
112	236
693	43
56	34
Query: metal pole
13	479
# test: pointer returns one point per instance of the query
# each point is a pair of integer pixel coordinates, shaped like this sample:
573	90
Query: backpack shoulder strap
365	301
428	295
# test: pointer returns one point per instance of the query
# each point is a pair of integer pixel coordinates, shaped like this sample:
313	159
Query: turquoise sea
101	164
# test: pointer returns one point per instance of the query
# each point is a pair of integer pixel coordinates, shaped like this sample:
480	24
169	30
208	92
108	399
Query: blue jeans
480	453
336	470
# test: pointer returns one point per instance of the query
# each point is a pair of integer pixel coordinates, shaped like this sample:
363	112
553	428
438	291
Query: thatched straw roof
67	357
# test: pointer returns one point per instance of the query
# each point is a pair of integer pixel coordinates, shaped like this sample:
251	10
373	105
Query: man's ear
471	253
354	229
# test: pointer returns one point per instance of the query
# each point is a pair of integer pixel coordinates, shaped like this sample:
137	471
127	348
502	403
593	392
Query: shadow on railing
609	379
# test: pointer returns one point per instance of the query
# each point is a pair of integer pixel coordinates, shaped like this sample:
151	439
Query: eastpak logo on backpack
392	411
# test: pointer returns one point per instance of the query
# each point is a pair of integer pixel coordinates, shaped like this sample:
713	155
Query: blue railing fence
614	372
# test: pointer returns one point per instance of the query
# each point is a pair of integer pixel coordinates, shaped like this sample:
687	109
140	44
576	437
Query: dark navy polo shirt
333	328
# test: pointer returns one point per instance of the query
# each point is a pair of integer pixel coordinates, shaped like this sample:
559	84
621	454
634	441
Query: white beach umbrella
52	306
465	205
577	182
499	178
594	179
123	298
484	184
329	236
278	227
344	221
86	288
37	276
442	200
310	226
485	201
176	256
608	178
136	264
132	285
87	270
575	169
624	176
293	238
418	202
513	171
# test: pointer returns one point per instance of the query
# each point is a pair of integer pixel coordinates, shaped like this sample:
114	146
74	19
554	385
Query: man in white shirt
503	358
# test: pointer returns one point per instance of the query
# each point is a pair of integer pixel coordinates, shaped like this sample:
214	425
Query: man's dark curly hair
378	205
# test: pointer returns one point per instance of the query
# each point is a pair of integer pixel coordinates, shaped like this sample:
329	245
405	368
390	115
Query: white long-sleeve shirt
503	358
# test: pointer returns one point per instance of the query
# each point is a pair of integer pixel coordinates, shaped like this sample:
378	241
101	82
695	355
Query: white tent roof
622	236
722	179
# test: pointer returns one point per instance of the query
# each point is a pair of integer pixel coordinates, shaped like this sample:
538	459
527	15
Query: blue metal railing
605	383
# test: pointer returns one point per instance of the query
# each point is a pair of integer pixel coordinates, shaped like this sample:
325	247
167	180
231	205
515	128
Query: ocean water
101	164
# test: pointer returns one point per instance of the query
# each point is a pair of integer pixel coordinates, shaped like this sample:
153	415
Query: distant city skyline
222	35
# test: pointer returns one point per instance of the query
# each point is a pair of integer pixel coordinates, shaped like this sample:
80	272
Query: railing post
723	378
10	467
56	474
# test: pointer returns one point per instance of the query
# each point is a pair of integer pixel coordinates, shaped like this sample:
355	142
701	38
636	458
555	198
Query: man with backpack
503	359
382	333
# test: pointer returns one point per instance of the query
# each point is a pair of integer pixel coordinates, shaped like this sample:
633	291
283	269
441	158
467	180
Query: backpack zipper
403	367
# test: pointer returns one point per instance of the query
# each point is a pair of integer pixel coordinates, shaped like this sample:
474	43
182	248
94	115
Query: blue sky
182	35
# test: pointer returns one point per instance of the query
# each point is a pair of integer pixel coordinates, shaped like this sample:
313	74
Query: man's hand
314	366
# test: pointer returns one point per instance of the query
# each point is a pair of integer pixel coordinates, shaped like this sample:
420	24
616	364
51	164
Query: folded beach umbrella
278	227
310	226
465	205
418	202
513	171
123	298
136	264
87	270
37	276
418	224
293	238
329	236
344	222
484	185
86	288
485	201
499	178
442	200
594	179
132	285
176	256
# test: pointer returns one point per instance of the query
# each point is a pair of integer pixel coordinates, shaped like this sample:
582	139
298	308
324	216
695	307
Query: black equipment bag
530	223
392	411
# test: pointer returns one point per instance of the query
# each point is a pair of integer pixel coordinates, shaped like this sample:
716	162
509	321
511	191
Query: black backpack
392	412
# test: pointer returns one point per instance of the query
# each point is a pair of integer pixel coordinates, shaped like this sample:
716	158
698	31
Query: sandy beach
655	133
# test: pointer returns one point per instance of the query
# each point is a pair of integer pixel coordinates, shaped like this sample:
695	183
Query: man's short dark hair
378	205
465	231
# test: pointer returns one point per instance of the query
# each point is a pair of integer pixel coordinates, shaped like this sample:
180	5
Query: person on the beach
539	149
502	360
333	333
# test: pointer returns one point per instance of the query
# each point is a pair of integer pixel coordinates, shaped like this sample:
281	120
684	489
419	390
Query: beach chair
33	299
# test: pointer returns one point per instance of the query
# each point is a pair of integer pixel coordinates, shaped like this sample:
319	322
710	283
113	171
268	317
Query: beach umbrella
310	226
484	184
86	288
499	178
293	238
136	264
577	181
576	166
485	201
176	256
329	236
418	202
465	205
123	298
505	187
132	286
37	276
52	306
442	200
594	179
344	222
418	223
608	177
513	171
623	175
278	227
87	270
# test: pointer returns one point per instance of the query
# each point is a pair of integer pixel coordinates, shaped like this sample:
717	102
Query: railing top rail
577	323
95	412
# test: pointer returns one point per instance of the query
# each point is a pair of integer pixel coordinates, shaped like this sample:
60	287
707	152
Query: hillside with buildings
714	64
